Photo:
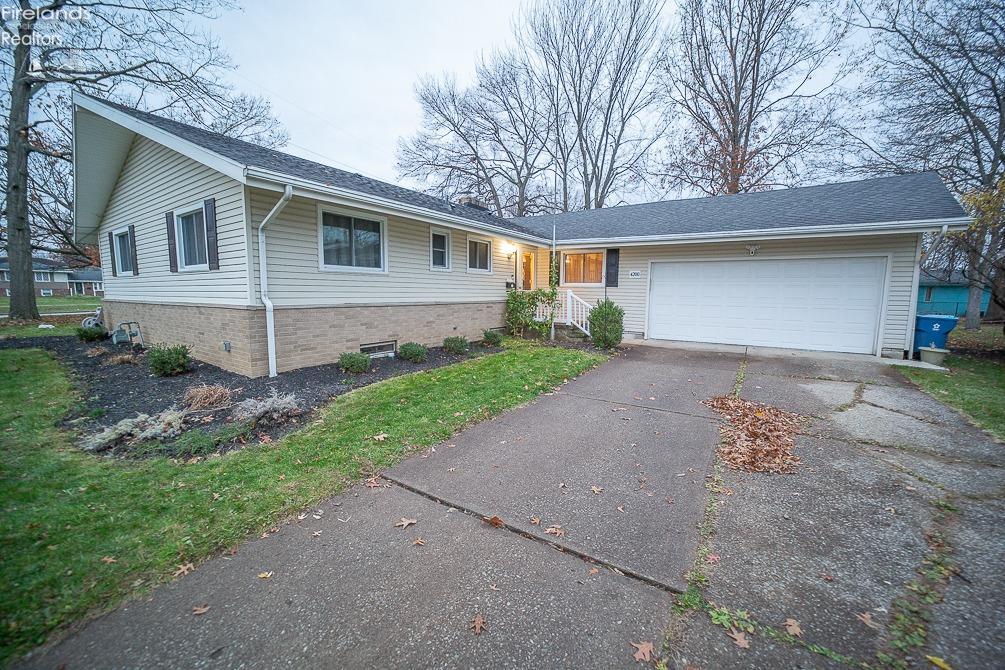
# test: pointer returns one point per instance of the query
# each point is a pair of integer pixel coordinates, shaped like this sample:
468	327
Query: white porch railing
570	309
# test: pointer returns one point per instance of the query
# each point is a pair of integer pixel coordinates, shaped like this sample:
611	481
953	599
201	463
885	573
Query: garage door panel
829	304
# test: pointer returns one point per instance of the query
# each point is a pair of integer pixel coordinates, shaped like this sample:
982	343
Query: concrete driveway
600	489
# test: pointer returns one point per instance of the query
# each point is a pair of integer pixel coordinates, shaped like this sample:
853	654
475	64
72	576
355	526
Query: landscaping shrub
493	338
168	361
456	345
521	306
206	396
413	352
274	408
121	359
607	324
353	361
161	426
91	334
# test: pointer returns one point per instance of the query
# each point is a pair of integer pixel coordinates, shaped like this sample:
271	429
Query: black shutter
111	253
212	247
172	245
613	259
132	246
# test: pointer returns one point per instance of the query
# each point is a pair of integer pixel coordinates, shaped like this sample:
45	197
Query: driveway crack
565	549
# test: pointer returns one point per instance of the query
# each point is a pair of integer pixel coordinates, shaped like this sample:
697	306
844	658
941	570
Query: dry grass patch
121	359
94	352
206	396
756	437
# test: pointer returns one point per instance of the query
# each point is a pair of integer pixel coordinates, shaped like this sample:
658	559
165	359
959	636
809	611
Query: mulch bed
113	392
756	437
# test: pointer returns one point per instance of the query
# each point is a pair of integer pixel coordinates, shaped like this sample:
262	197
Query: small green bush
493	338
168	361
91	334
607	324
354	361
413	351
456	345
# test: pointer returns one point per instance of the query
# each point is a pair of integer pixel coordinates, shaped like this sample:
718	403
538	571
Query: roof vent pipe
263	277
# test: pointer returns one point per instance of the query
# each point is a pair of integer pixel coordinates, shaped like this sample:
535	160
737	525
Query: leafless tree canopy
561	122
937	93
747	78
145	53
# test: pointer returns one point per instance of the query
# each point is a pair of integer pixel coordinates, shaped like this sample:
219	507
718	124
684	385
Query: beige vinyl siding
153	181
295	278
631	294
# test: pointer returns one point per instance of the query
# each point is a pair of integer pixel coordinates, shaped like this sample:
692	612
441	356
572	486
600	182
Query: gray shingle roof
909	197
253	155
86	274
931	277
913	197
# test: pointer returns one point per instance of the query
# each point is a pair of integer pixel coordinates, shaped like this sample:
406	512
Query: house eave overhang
266	179
877	228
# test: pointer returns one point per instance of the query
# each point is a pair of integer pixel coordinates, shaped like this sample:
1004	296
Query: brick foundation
203	328
304	336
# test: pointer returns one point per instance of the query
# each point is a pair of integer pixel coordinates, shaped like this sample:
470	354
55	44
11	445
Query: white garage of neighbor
822	304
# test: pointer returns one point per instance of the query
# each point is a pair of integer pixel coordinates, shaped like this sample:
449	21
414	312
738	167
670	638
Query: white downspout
553	263
263	278
938	241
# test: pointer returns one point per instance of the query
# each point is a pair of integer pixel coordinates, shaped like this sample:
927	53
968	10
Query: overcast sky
340	75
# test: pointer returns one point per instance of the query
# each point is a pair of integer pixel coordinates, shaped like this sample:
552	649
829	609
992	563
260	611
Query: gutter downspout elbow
938	241
263	278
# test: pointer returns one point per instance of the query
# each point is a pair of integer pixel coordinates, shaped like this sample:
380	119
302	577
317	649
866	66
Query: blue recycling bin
932	330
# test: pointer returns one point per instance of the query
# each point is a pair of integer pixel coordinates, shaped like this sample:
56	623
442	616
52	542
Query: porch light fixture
508	248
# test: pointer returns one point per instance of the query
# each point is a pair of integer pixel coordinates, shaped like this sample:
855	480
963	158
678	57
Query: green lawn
975	386
32	330
73	303
63	511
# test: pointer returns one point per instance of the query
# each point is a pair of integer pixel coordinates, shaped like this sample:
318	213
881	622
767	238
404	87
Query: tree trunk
22	278
973	320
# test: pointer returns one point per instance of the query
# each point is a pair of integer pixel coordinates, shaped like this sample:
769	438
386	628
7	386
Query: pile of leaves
756	437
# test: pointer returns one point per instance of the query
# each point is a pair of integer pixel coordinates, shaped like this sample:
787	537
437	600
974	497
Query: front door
527	270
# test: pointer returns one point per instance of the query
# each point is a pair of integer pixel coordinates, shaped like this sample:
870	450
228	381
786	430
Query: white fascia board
222	164
274	181
882	228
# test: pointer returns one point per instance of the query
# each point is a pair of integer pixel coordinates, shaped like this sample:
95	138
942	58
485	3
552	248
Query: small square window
479	255
928	294
46	293
439	250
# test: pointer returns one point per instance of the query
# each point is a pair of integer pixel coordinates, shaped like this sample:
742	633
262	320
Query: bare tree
486	141
748	79
594	62
146	53
937	90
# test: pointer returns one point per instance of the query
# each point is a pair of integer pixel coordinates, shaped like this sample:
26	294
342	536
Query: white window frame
44	279
450	243
382	220
179	241
3	275
45	292
467	254
573	252
124	230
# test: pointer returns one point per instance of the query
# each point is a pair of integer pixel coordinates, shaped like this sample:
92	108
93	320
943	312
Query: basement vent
379	349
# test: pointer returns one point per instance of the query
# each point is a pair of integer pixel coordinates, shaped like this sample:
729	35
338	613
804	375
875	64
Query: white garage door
824	304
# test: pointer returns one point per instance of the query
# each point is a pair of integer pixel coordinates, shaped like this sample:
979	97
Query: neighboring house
941	292
54	278
262	262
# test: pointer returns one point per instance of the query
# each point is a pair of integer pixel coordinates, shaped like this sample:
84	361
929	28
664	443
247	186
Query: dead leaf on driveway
643	651
535	521
621	509
494	521
938	662
493	587
405	523
739	639
866	618
594	571
419	542
265	575
712	558
372	483
183	569
792	628
555	530
478	624
200	609
597	490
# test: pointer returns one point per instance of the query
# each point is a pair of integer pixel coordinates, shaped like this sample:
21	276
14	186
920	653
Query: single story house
947	292
262	262
54	278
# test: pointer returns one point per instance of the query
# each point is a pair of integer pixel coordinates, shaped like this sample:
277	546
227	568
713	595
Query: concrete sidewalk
352	590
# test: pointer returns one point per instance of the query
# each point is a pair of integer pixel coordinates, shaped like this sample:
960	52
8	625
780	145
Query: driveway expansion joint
618	569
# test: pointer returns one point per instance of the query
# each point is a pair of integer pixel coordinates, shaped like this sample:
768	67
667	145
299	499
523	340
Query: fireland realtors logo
42	20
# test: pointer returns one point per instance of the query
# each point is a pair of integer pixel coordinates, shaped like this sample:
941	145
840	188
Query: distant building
55	278
942	292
